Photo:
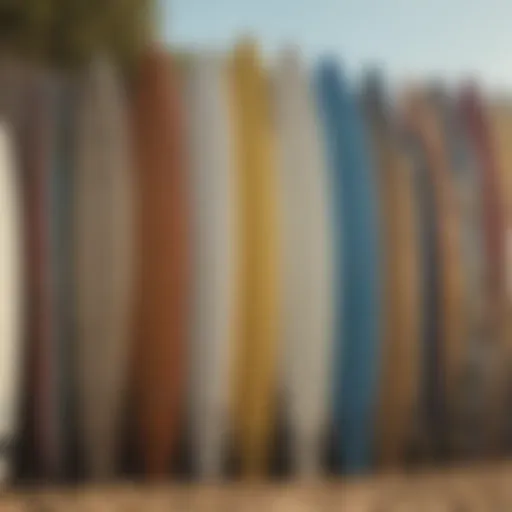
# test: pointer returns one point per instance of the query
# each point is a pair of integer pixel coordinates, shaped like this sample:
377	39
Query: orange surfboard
161	281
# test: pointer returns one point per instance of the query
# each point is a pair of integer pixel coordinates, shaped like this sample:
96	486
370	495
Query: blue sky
446	38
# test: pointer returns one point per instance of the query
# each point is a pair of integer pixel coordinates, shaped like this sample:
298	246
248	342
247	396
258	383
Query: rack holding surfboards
222	269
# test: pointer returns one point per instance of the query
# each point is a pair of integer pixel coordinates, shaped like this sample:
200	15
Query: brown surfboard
402	344
161	280
494	224
500	118
422	117
41	333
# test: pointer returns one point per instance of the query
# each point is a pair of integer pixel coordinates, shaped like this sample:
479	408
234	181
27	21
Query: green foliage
67	32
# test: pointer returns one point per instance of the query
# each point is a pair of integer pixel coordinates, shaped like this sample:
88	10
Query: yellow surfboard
256	346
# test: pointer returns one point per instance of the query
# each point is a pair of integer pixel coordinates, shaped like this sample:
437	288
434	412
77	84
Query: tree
68	32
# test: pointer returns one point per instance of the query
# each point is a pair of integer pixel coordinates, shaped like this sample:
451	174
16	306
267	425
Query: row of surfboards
217	250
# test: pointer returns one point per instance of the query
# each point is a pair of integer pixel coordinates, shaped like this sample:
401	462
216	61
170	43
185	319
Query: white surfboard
308	276
103	251
10	303
214	264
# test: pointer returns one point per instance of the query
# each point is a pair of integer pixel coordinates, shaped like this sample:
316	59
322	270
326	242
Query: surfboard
32	103
162	285
493	359
500	119
11	302
463	427
357	352
103	252
63	378
424	442
401	344
14	110
446	355
325	92
214	263
42	353
307	314
453	292
256	345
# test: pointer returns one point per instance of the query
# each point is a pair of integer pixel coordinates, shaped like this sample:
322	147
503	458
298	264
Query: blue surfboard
356	353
